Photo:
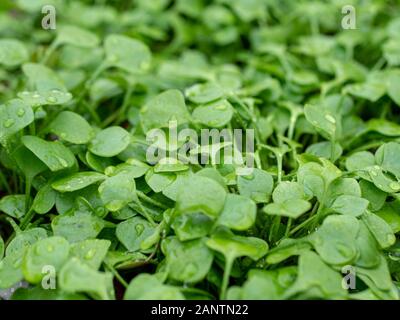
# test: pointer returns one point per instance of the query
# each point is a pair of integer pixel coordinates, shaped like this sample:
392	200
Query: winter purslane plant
84	213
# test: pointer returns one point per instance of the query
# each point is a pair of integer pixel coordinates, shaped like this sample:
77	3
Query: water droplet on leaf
8	123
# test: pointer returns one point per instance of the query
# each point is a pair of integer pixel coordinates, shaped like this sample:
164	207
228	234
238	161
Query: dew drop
20	112
330	118
90	254
52	100
8	123
63	162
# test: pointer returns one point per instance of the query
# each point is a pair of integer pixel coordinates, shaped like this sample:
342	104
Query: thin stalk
225	279
149	200
27	218
117	275
145	212
50	50
288	226
302	225
28	187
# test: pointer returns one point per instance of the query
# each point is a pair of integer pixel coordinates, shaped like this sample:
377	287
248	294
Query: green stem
333	150
28	187
145	212
149	200
225	279
302	225
117	275
27	218
288	226
50	50
279	164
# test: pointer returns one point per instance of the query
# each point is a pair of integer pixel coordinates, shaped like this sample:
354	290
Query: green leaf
110	142
53	251
12	52
233	247
148	287
350	205
132	232
188	261
54	154
71	127
163	108
76	36
201	194
77	181
375	196
28	163
204	93
287	248
44	200
387	157
15	115
24	240
316	280
380	229
215	115
159	181
91	251
43	78
13	205
239	212
118	191
77	225
292	208
392	84
127	54
76	276
322	120
10	271
192	226
335	240
44	98
257	185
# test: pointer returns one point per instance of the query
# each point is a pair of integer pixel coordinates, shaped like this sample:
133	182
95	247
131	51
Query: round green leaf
12	52
110	142
54	154
201	194
239	212
53	251
71	127
126	53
